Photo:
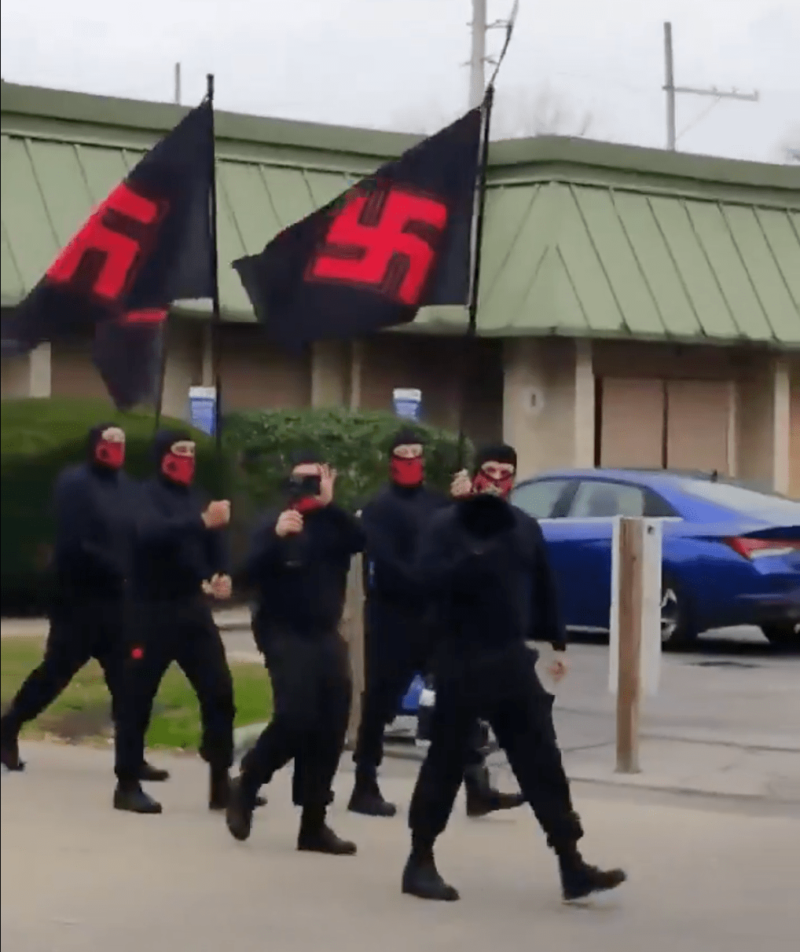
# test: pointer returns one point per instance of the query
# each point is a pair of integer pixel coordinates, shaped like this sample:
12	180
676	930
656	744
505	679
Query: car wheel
676	629
782	636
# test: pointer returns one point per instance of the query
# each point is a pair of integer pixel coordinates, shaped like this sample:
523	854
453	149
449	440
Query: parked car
731	554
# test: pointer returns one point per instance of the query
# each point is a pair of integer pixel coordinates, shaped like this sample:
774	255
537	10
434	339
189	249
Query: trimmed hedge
356	444
38	438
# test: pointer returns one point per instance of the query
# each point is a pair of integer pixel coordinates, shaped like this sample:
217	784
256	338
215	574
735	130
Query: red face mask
407	472
110	453
309	504
180	469
483	483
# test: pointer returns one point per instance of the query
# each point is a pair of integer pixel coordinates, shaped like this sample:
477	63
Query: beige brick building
637	308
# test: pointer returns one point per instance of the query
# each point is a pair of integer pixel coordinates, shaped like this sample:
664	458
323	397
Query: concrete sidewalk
78	877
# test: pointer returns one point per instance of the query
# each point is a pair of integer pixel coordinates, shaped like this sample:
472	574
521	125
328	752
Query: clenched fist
221	586
461	485
289	522
217	514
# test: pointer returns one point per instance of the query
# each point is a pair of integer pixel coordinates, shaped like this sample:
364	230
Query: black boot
9	746
367	798
421	877
219	788
239	812
150	774
579	880
131	797
482	798
317	837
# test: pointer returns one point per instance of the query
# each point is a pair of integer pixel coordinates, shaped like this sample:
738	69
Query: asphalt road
730	687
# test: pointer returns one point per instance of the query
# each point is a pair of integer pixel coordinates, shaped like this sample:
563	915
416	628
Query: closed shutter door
698	425
794	437
632	423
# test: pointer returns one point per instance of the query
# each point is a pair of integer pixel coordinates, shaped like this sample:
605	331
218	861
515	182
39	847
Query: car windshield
746	501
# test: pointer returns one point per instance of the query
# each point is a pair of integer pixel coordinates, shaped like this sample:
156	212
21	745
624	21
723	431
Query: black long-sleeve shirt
394	521
94	511
494	591
301	580
174	552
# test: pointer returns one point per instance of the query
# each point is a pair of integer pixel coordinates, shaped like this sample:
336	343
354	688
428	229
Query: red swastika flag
147	245
395	242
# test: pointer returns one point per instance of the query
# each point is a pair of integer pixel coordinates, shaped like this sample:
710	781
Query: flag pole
162	372
472	311
216	314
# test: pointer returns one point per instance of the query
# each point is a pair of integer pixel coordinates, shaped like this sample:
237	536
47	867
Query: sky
400	64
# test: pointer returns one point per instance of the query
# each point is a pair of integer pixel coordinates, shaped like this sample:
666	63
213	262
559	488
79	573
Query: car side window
539	498
599	500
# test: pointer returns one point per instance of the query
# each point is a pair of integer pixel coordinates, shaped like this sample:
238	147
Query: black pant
502	687
311	689
184	632
79	631
396	648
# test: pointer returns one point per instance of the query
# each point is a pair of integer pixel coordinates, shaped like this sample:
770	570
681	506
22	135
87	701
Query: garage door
698	425
632	423
794	436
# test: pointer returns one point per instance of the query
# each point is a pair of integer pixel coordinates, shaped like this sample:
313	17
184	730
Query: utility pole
671	89
178	84
477	60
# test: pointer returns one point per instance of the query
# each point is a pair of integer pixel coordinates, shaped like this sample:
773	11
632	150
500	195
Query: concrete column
781	425
330	374
28	376
356	365
548	403
207	370
584	405
763	425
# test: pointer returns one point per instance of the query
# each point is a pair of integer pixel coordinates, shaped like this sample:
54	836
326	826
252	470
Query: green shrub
38	438
355	443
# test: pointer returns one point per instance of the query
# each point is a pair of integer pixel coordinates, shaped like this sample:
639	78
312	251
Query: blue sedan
731	555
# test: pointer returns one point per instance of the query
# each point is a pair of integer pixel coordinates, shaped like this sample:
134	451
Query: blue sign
407	403
203	408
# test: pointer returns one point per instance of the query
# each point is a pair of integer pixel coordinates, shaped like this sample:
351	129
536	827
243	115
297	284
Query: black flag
395	242
149	244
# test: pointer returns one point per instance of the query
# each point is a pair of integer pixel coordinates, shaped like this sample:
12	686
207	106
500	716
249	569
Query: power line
672	90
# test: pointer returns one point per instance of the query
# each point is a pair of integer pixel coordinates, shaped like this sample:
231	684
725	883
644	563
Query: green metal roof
581	239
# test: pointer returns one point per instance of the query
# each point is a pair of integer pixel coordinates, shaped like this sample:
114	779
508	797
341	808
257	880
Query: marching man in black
180	554
95	505
299	562
399	622
485	563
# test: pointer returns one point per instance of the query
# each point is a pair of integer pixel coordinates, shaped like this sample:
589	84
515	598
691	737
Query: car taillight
750	548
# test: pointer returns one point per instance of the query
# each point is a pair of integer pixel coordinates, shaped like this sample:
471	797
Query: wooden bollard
630	600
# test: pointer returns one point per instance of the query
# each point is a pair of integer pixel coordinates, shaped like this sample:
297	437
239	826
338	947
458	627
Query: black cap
96	434
164	440
405	437
498	453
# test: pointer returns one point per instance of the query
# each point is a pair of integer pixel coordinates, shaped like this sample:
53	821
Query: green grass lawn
83	712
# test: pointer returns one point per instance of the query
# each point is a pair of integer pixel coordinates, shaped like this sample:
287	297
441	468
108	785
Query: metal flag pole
472	322
216	314
474	291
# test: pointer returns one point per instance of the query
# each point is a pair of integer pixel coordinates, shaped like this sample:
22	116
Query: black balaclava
406	473
105	455
172	467
499	453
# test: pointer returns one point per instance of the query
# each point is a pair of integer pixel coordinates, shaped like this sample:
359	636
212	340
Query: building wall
794	429
561	402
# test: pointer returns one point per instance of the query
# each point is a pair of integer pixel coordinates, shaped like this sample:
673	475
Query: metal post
477	60
178	84
669	86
